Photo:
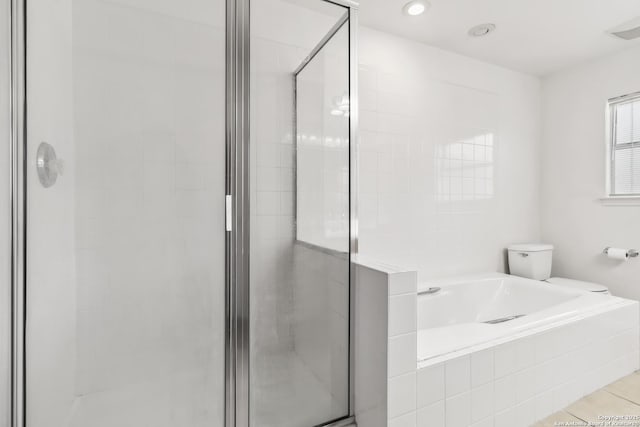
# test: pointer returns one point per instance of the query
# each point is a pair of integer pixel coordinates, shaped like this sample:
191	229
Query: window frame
612	147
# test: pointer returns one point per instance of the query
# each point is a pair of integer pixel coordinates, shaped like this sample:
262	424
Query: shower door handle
228	212
48	165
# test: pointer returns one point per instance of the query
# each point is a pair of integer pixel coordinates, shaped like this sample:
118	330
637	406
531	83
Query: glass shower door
300	224
125	198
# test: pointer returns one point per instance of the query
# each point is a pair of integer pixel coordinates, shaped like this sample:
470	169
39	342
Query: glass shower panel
126	246
322	161
299	284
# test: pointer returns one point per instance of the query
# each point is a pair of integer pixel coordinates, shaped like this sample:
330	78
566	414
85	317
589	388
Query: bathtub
566	344
474	310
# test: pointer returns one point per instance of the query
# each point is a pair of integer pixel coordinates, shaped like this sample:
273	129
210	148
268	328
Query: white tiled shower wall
510	382
322	150
449	156
320	319
148	235
272	197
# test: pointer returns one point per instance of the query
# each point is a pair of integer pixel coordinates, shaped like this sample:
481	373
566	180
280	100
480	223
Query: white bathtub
452	319
470	374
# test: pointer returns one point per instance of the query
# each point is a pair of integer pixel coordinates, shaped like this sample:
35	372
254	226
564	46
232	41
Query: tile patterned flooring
621	398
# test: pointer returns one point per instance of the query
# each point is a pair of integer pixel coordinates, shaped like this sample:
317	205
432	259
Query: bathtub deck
619	398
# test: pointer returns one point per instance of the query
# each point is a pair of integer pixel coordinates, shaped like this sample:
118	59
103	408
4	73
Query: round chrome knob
48	165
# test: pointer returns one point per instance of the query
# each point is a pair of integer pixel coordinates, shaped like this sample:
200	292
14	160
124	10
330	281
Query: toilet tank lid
531	247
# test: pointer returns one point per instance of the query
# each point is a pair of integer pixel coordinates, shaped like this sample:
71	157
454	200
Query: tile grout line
616	395
606	390
574	415
566	411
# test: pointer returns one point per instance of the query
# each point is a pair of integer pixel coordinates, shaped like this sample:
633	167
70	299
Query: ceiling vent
628	31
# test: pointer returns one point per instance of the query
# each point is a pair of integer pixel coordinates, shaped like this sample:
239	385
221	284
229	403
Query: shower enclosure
181	222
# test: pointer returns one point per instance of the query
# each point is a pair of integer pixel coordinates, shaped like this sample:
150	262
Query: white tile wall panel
431	385
458	410
457	375
402	354
482	402
432	415
402	314
435	182
482	367
402	395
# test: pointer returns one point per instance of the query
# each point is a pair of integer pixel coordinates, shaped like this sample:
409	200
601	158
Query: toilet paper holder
631	253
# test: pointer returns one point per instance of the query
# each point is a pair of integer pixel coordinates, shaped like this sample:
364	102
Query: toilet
533	261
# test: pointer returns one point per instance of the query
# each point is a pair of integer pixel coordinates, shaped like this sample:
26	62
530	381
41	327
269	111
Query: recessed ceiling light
481	30
415	8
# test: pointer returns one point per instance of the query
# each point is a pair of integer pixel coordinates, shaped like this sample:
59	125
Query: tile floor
619	398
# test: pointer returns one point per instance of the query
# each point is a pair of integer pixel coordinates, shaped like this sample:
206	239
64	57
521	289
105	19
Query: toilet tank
530	260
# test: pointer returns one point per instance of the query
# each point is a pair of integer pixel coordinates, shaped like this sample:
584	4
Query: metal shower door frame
238	244
17	170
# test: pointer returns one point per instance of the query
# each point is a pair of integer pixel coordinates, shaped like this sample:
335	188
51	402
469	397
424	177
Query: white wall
449	157
573	174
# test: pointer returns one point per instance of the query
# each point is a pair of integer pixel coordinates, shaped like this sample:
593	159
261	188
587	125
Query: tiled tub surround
527	378
510	381
385	338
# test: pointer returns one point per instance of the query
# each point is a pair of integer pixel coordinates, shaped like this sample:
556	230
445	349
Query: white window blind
625	146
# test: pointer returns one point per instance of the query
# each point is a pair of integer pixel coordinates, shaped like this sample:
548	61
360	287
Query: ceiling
534	36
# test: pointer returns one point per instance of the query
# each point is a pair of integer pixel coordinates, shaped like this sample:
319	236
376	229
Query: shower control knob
48	165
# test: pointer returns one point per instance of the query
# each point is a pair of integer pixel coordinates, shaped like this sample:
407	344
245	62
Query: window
465	168
624	146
